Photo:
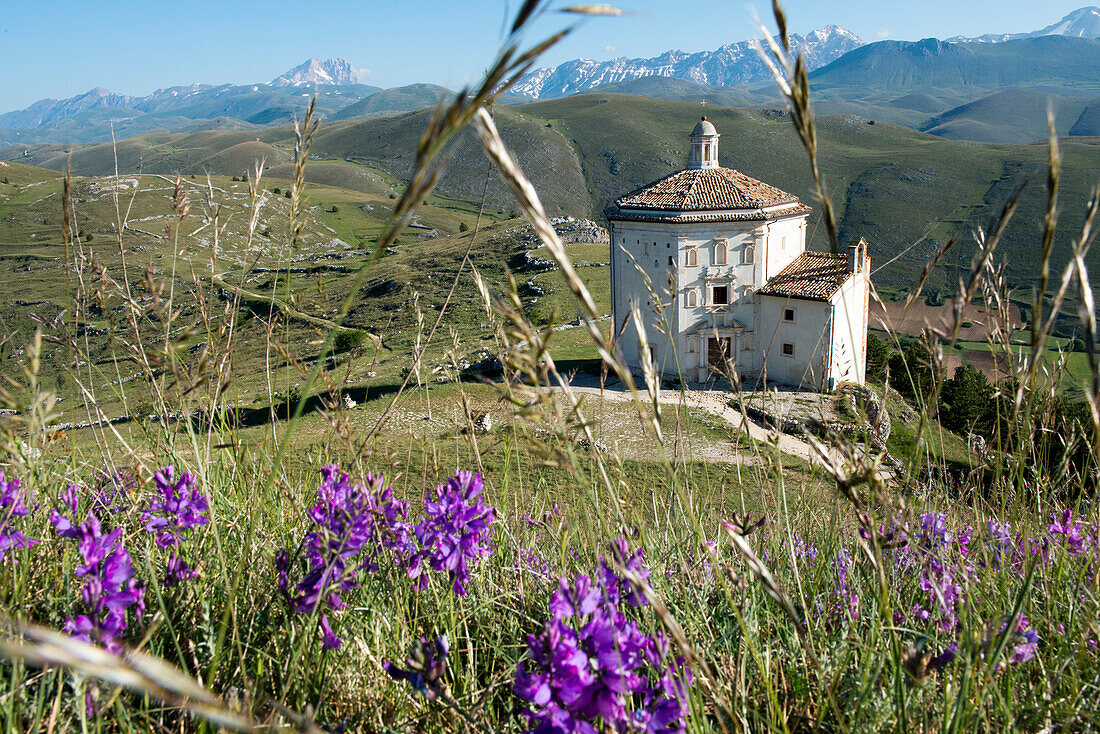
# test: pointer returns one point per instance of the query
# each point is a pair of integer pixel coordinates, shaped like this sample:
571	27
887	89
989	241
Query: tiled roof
814	276
747	215
705	189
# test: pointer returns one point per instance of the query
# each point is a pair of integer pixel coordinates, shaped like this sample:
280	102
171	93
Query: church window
656	263
748	254
719	295
692	258
788	315
692	299
783	243
746	293
788	349
719	253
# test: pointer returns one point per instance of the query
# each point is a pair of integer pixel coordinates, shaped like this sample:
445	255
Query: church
715	263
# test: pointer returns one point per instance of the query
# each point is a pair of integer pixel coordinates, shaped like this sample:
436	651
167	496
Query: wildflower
1000	539
427	663
1025	642
1064	525
804	549
12	505
114	493
454	533
328	638
179	508
934	531
109	589
617	586
354	524
592	666
846	591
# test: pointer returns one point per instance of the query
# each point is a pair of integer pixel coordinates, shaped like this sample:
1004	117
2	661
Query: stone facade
715	265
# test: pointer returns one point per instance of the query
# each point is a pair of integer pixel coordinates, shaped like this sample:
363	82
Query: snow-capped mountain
735	63
1081	23
315	71
336	83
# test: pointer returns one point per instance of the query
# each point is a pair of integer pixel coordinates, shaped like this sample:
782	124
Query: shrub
463	227
347	340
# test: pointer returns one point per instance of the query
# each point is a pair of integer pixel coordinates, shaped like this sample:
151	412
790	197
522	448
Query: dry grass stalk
142	673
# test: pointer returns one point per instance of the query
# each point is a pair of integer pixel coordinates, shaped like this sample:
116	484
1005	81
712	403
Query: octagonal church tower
715	264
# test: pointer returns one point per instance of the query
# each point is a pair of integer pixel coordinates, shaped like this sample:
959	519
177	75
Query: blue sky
58	48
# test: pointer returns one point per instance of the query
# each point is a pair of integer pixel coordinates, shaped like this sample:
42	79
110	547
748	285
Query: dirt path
714	402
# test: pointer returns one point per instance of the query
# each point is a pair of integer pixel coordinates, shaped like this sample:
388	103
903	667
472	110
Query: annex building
715	264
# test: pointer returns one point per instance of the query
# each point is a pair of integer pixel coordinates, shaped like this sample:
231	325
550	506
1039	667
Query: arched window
748	254
691	258
746	294
719	252
692	299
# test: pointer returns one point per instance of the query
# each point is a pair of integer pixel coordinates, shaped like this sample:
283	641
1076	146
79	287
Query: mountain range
730	65
1081	23
933	85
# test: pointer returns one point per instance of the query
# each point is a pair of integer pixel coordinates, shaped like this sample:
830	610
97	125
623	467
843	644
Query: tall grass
834	594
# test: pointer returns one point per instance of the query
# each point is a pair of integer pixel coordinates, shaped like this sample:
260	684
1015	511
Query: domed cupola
704	145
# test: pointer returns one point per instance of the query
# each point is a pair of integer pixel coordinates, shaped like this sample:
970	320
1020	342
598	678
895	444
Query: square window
720	295
788	315
788	349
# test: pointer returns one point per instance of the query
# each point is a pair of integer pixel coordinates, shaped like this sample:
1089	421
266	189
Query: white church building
715	263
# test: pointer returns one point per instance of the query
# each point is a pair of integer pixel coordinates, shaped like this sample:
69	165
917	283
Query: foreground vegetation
254	549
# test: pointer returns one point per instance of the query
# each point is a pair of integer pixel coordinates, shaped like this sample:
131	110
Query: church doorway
719	354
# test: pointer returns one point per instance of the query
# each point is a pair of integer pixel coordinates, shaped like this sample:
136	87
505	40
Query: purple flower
804	549
592	669
616	586
12	505
109	589
1025	642
179	507
934	532
1000	540
1064	525
354	525
427	663
454	533
328	638
178	570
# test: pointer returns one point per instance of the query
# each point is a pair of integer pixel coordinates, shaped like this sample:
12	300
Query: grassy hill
1009	116
391	101
890	184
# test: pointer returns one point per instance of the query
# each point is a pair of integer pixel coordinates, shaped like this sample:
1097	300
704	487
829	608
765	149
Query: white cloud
884	33
609	48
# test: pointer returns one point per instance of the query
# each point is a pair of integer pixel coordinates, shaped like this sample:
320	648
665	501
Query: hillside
1011	116
890	184
391	101
1055	63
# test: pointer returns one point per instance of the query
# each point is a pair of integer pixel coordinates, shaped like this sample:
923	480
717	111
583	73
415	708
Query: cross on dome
704	145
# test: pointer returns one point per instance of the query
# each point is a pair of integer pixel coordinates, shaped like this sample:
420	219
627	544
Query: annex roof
813	276
705	189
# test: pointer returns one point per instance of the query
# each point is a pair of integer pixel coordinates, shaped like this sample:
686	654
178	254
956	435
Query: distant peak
316	71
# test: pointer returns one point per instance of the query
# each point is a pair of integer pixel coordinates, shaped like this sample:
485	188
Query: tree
276	190
914	371
878	356
965	402
462	226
